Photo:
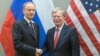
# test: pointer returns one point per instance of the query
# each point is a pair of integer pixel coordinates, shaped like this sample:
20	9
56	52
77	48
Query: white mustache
56	20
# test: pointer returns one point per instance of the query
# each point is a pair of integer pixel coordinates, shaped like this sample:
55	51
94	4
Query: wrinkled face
58	18
29	11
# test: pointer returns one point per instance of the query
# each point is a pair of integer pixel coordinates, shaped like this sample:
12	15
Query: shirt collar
28	20
60	27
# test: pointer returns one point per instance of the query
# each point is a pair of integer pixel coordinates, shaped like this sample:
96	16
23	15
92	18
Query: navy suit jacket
68	43
25	40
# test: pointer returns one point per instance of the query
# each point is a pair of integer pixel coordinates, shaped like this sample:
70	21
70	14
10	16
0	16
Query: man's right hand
38	52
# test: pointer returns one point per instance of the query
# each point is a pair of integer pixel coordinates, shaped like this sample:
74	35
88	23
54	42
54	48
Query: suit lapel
61	36
28	28
52	37
35	31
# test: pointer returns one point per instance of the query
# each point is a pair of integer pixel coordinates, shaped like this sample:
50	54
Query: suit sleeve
17	37
75	43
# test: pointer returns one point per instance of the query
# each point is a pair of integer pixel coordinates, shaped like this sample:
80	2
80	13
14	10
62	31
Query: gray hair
27	3
59	9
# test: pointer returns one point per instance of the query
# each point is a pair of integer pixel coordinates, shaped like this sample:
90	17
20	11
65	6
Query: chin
57	25
31	17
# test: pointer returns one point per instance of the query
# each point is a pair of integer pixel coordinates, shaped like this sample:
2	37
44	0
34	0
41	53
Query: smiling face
29	10
58	18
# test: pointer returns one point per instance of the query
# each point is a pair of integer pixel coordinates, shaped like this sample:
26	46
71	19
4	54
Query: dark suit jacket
68	43
25	41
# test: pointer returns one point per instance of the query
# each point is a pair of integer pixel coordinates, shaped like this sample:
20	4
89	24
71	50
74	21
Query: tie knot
57	29
30	22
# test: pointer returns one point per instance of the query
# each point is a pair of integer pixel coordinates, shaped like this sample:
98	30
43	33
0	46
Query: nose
56	17
32	11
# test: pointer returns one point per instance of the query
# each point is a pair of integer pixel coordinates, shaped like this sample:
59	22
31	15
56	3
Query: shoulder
70	28
51	29
20	23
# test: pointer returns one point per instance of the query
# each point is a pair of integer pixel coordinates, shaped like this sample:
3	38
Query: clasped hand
38	52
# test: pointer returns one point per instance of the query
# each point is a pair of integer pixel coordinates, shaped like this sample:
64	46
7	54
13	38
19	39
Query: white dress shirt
60	28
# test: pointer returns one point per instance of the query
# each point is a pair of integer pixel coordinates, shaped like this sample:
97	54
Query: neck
58	26
29	19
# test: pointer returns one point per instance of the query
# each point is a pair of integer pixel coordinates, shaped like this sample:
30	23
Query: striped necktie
56	37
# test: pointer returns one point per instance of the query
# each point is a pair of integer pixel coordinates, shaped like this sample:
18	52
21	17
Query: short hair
27	3
59	9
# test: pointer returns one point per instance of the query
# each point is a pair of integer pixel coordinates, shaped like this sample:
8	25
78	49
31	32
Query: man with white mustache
61	40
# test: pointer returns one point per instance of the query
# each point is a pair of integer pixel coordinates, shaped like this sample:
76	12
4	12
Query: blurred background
5	5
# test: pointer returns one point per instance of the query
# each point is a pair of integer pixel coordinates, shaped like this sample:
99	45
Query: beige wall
4	5
61	3
1	51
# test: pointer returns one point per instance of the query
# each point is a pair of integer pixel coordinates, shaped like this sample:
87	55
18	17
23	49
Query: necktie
32	28
56	37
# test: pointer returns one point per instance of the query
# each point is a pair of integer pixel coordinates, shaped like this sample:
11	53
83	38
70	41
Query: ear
64	17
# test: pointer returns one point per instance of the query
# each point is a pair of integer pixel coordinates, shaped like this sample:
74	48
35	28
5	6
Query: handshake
38	52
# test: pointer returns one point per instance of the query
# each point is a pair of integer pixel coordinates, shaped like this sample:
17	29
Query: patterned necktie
32	28
56	37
